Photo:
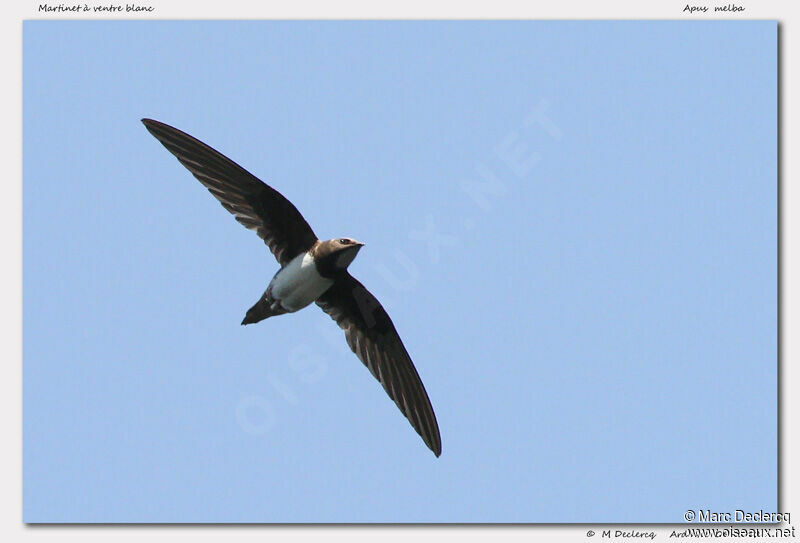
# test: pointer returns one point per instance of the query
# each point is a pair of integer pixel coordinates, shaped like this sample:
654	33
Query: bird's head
340	252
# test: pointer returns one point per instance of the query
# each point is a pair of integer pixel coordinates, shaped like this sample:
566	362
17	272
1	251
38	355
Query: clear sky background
595	321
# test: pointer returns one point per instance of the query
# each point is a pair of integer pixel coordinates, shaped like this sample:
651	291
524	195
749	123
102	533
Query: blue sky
595	321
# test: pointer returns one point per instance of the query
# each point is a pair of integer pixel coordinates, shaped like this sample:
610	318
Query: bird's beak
360	244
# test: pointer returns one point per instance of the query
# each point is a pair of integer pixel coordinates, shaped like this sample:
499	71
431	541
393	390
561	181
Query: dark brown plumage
368	329
255	204
372	336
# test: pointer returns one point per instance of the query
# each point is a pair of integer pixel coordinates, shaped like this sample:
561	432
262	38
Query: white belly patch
298	284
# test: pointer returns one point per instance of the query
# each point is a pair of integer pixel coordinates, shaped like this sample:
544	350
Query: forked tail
265	307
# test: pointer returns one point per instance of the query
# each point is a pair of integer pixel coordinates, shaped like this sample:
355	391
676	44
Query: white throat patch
345	258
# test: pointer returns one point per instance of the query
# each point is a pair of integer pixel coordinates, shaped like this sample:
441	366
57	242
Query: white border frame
12	528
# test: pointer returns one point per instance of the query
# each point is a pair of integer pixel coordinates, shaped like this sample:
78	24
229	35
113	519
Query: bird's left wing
372	336
253	203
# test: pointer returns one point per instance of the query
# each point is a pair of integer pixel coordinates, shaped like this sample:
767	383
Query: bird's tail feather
264	308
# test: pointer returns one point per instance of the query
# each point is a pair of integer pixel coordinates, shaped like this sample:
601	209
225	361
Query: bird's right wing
372	336
255	204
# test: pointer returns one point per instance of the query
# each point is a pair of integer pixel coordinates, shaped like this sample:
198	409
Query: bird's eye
344	241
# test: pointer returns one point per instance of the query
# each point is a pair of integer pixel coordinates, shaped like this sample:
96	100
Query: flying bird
312	271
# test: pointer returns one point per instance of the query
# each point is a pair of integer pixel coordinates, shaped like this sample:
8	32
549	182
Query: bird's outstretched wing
255	204
372	336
